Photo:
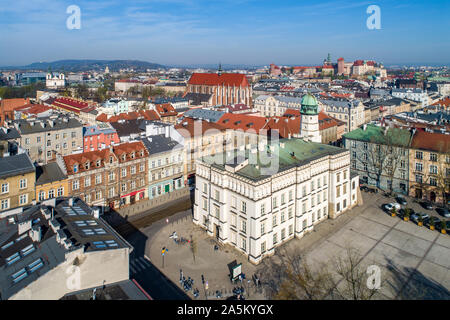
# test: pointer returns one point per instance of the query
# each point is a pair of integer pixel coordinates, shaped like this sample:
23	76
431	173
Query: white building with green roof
256	200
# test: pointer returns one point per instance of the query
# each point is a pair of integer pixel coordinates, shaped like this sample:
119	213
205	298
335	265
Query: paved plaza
412	259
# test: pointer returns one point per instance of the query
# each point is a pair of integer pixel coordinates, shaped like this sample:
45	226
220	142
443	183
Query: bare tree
291	277
352	276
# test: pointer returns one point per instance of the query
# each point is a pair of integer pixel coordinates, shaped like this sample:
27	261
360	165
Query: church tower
310	119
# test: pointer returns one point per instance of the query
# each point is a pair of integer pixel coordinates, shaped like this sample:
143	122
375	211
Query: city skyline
177	32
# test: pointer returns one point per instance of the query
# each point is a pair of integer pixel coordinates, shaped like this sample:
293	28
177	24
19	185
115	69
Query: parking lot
413	260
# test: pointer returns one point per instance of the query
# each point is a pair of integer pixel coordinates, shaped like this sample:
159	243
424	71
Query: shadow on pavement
411	284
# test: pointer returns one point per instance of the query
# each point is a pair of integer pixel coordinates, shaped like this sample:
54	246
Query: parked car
402	211
401	200
427	205
415	216
437	222
443	212
389	206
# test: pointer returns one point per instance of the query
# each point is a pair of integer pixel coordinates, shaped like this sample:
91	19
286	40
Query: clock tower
310	119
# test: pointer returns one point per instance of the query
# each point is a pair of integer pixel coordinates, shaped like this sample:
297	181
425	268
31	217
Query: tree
291	277
443	177
82	91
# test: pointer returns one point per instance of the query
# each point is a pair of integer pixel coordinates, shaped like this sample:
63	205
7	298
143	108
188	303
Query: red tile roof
243	122
213	79
165	110
11	104
82	158
146	114
189	127
71	104
128	148
32	108
292	112
443	102
325	121
286	126
438	142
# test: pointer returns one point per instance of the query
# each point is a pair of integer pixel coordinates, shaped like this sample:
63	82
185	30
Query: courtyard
412	259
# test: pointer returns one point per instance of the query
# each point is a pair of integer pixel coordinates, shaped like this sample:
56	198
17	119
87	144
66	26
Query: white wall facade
257	216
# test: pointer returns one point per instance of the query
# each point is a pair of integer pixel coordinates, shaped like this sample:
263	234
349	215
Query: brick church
225	88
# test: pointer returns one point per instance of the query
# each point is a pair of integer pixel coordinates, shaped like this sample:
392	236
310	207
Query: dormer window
99	162
86	165
124	157
111	159
132	155
142	153
75	168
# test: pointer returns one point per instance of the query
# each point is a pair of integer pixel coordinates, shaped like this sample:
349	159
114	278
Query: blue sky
231	31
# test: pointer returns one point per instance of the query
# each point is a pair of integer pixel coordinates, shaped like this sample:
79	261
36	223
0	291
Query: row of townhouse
407	161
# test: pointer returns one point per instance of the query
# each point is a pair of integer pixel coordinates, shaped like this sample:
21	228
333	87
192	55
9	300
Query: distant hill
85	65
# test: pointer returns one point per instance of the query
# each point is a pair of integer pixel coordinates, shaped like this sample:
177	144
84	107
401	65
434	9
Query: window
86	165
5	204
274	220
41	196
275	240
98	195
74	144
5	187
419	155
87	181
23	198
98	179
87	198
345	189
133	185
283	199
133	169
75	168
141	167
111	192
433	182
75	185
303	207
283	234
74	134
124	172
205	187
291	195
244	207
338	191
124	187
290	213
263	247
353	164
338	177
217	195
325	181
345	175
205	204
111	176
263	228
60	191
27	140
419	167
433	169
304	191
291	229
304	224
313	217
244	226
312	185
217	212
274	202
38	139
51	193
312	201
99	162
263	209
244	244
365	166
365	145
419	178
433	157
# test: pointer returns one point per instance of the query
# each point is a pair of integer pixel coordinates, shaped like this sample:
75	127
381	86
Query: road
138	232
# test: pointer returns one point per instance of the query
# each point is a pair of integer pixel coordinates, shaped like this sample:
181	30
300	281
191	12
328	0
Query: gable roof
431	141
213	79
242	122
190	128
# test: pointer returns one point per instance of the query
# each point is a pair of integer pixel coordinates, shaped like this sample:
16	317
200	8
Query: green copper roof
309	105
375	134
296	152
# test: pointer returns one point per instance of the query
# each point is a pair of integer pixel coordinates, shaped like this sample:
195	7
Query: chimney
96	213
35	234
71	202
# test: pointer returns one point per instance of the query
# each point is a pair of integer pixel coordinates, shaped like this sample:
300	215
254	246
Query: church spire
219	71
